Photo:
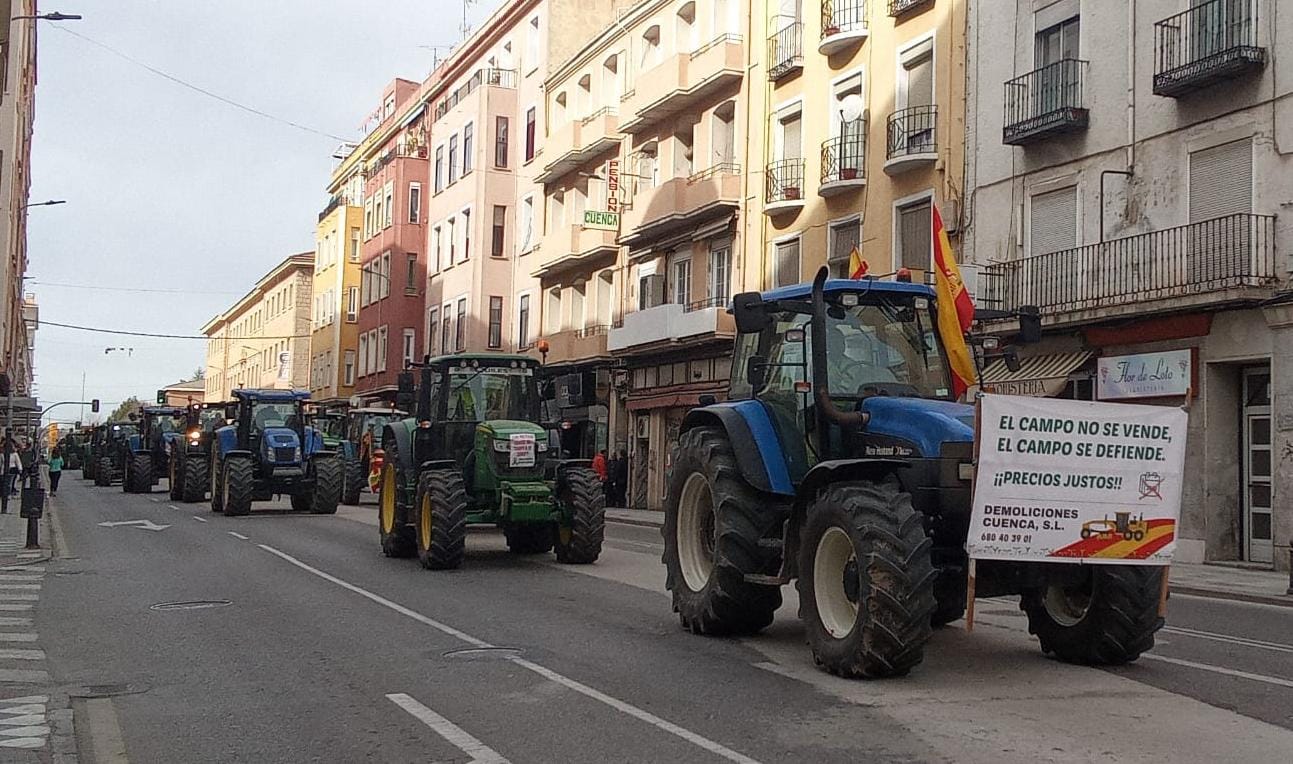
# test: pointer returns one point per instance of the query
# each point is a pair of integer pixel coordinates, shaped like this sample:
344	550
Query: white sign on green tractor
1062	481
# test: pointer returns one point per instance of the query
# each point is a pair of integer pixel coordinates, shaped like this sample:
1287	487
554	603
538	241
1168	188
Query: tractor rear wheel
217	485
712	525
103	473
193	480
355	477
949	592
325	494
301	502
396	534
866	582
1108	617
441	519
581	491
529	538
140	473
237	486
174	477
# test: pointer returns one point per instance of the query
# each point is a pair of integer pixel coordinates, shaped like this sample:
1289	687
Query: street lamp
49	203
55	16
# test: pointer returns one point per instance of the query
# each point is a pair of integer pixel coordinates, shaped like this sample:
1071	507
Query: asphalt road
327	651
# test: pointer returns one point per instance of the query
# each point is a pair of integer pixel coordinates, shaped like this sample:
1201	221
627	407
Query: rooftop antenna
465	28
435	54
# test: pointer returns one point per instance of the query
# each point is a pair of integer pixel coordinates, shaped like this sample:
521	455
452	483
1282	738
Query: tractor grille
282	454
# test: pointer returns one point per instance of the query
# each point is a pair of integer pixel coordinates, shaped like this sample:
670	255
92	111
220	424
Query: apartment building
17	110
263	340
334	313
1130	175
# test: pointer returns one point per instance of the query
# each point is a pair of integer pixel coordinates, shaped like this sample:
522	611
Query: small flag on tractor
955	309
857	266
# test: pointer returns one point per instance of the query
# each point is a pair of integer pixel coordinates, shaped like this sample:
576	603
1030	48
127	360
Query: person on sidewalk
10	477
55	470
619	479
599	465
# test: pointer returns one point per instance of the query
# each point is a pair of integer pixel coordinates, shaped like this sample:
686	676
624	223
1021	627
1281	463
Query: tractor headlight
296	455
501	446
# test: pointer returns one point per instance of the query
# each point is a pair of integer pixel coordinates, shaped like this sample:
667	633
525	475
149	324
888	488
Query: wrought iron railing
1209	35
712	302
595	330
714	43
912	131
722	168
899	7
1199	258
784	180
841	16
605	111
336	201
844	157
1046	98
786	50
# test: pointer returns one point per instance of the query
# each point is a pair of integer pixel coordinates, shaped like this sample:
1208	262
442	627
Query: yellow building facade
334	304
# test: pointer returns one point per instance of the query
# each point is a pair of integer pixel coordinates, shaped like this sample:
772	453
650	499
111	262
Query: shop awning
1040	376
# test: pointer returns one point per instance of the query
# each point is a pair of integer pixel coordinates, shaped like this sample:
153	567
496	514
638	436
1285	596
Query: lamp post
46	203
52	16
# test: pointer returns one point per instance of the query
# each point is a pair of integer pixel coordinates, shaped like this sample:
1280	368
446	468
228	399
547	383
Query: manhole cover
484	653
190	605
105	690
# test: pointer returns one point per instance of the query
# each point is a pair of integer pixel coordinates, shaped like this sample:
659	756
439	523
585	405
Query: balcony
682	204
844	161
499	78
575	246
1221	261
786	51
682	82
1211	42
911	140
844	24
671	323
577	345
903	7
783	187
580	140
1046	102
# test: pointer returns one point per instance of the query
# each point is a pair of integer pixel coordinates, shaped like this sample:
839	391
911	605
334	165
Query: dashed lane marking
459	737
12	607
583	689
14	597
18	636
199	519
11	654
1278	647
237	535
1280	681
172	506
10	621
154	499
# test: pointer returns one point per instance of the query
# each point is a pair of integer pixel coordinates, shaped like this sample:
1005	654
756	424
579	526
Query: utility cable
96	287
127	332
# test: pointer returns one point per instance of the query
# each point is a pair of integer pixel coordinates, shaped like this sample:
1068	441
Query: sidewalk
13	539
1216	581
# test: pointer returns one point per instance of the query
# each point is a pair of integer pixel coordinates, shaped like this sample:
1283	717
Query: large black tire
1109	618
949	592
355	477
866	582
325	495
140	473
175	476
721	525
216	474
441	519
397	535
103	473
237	486
529	538
581	493
301	502
193	481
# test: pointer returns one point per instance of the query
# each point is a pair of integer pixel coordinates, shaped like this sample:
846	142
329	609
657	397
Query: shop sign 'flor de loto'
1066	481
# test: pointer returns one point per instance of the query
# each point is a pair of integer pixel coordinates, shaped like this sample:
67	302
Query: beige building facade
263	340
17	111
334	304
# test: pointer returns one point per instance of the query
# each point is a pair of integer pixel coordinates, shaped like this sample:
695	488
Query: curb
1260	599
634	521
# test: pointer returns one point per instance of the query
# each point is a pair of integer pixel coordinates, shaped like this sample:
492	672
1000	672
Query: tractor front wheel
237	486
325	494
712	525
1106	617
866	582
396	534
217	485
584	498
529	538
103	473
355	477
441	519
140	473
193	480
174	479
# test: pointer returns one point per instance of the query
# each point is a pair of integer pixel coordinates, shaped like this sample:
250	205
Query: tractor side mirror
1012	359
747	309
406	393
754	371
1030	325
231	411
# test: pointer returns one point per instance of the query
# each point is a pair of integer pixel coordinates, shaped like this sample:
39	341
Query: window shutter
1053	221
916	236
1221	181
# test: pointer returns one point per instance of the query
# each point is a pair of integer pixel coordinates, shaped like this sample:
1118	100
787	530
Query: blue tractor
269	450
149	448
842	460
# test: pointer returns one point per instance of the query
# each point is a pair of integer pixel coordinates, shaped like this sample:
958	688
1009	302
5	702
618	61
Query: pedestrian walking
599	465
611	465
55	470
620	480
13	468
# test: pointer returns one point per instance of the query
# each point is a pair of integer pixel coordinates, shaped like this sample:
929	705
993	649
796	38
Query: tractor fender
227	440
236	454
754	442
439	464
397	436
314	442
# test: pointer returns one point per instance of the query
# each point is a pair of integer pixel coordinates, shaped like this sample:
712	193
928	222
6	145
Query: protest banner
1069	481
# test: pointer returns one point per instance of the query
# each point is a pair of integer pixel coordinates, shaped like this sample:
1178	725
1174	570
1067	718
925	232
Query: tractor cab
159	427
271	424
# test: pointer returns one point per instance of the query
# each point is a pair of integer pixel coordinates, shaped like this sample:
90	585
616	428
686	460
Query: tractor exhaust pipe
827	413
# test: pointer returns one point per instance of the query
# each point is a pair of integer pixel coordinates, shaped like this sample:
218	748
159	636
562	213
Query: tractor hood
928	424
506	428
281	445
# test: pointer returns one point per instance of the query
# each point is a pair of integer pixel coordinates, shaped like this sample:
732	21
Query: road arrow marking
199	519
146	525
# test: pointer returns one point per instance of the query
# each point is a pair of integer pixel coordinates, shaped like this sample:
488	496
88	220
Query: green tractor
474	453
111	451
190	458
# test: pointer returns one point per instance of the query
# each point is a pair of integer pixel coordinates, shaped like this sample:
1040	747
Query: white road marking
18	636
8	621
619	705
31	554
199	519
14	597
11	654
237	535
172	506
1220	670
27	587
154	499
20	578
12	608
459	737
144	525
1278	647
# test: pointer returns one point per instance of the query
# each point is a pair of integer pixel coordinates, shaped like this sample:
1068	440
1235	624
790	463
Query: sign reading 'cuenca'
1059	481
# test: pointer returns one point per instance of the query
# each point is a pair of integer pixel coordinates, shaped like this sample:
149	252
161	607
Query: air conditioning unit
651	291
643	428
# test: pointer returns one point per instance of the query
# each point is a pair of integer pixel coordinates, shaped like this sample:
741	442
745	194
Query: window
390	204
841	239
1057	42
683	141
648	169
720	273
605	283
1221	181
789	134
439	169
577	300
499	231
680	278
529	133
613	78
556	210
500	143
532	45
552	312
650	47
446	326
410	348
466	234
349	374
385	276
451	234
495	322
915	236
381	349
379	212
363	354
724	142
461	339
1052	221
786	262
468	133
352	305
435	250
433	326
523	322
368	217
354	245
527	224
411	275
584	96
916	75
415	203
453	159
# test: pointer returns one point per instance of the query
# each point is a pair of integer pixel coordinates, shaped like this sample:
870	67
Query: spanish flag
857	266
955	309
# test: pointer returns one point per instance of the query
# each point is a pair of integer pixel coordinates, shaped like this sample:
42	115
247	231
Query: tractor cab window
267	415
167	424
788	351
482	394
210	419
884	349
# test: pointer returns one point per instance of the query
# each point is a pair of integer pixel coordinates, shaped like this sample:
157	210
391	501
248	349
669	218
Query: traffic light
161	397
94	405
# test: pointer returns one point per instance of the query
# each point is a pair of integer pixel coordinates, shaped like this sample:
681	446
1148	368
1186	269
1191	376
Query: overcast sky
170	189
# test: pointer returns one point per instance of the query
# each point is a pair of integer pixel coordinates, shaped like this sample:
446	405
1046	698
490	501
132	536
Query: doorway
1255	426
